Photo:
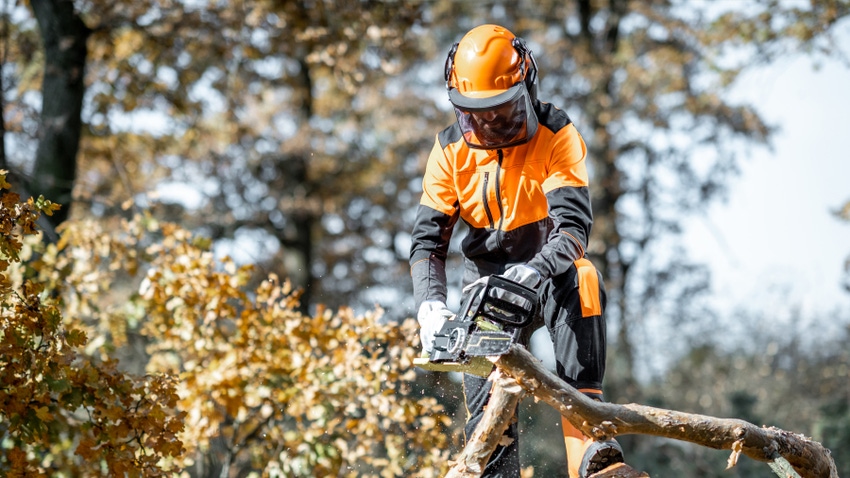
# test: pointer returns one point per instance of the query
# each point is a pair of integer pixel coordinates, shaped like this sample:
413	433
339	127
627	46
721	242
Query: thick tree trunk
605	420
64	36
601	108
3	164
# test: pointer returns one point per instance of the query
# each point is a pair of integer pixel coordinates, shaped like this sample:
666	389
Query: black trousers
579	343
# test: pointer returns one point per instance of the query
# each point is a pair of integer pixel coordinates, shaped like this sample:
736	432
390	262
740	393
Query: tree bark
4	37
64	35
605	420
504	398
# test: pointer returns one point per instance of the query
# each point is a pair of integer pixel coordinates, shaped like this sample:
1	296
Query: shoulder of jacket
449	135
551	117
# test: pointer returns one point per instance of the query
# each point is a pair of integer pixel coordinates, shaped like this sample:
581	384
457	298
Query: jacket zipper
484	198
499	199
499	190
498	196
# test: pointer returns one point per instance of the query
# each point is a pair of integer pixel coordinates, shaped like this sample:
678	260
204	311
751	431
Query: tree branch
605	420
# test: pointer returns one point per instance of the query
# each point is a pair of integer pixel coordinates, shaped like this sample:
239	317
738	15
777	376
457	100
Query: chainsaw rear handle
498	309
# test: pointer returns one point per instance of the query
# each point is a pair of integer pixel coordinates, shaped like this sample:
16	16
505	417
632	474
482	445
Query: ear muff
450	64
530	69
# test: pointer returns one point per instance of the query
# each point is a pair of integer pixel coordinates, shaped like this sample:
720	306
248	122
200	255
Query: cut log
505	395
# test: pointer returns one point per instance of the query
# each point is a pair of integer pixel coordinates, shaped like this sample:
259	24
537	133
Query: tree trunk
605	420
4	37
608	185
64	35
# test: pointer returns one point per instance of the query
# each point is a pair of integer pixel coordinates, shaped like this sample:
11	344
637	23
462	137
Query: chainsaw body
490	320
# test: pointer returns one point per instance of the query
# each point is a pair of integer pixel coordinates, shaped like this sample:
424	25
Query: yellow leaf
127	43
43	414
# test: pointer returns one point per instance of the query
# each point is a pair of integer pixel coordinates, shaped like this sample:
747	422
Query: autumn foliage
59	408
230	376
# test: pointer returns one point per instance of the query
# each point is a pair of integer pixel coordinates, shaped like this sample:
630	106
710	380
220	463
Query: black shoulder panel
450	135
551	117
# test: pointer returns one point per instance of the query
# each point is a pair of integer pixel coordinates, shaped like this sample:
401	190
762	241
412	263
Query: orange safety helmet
487	61
491	78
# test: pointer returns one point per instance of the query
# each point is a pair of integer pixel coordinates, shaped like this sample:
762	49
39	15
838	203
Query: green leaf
46	206
76	338
58	386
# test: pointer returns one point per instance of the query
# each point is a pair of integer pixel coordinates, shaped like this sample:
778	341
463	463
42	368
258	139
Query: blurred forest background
237	183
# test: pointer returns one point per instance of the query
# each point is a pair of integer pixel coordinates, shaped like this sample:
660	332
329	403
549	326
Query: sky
776	242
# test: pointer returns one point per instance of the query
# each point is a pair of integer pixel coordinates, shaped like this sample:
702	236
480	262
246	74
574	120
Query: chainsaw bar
476	366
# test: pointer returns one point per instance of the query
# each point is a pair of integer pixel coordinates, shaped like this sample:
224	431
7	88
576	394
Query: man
513	169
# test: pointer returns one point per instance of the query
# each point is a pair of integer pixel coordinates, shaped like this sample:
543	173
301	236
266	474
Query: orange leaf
86	448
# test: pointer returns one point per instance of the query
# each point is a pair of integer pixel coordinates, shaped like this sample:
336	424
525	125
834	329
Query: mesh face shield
495	122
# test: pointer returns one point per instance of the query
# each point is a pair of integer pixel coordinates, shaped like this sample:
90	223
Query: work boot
600	455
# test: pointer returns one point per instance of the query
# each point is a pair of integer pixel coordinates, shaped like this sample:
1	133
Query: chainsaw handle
493	305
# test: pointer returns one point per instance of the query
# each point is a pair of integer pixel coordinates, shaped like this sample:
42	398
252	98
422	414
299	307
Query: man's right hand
432	315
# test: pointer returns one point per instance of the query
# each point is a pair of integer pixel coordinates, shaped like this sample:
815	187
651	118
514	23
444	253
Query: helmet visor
499	121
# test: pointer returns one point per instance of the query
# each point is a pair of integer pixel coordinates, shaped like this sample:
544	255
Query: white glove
525	275
431	317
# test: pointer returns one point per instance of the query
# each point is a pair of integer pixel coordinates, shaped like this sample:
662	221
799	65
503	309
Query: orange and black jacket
527	204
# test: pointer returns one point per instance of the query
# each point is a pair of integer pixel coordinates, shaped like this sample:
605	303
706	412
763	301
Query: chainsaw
491	317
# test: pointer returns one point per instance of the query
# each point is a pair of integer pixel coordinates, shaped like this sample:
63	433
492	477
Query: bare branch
604	420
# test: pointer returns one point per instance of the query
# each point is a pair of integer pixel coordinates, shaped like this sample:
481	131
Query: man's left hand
524	275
